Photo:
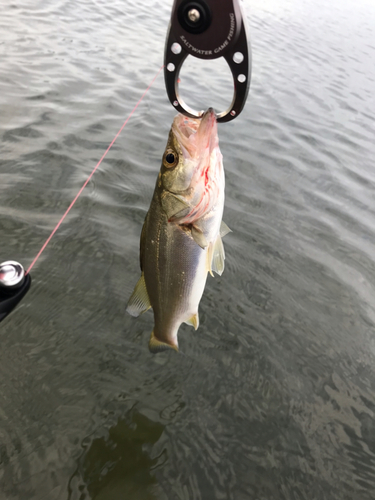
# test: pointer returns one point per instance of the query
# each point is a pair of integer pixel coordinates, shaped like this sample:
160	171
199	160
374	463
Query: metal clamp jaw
208	29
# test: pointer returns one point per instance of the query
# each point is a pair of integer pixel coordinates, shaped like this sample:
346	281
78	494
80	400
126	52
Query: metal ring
232	44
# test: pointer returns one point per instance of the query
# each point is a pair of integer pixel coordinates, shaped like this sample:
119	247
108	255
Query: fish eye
170	158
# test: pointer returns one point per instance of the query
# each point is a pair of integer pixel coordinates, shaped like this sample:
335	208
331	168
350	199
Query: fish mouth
196	135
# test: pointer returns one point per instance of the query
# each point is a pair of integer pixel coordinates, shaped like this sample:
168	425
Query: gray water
273	397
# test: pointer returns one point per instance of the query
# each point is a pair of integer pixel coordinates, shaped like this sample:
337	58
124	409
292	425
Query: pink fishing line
92	173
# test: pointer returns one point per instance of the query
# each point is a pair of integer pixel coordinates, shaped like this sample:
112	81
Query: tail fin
155	345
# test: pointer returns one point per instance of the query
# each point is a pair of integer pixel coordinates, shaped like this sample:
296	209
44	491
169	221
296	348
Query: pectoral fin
216	257
155	345
193	321
172	204
198	236
139	301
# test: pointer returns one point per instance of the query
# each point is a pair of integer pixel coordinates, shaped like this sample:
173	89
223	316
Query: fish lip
207	123
207	138
209	112
196	134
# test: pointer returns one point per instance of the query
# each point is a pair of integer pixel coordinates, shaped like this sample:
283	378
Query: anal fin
139	301
193	321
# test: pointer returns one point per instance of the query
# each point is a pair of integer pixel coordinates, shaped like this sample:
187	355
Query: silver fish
181	236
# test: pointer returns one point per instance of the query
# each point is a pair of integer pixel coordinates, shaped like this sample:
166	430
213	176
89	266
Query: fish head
192	162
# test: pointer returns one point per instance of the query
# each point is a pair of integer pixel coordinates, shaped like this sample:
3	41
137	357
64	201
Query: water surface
274	397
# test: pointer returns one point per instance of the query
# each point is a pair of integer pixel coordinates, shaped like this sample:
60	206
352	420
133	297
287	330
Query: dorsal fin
139	301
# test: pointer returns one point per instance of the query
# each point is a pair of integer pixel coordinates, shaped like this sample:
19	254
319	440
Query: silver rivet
11	274
241	78
194	15
238	57
233	113
175	103
171	67
176	48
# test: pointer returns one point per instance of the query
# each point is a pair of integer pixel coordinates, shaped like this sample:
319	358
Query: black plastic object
9	298
208	29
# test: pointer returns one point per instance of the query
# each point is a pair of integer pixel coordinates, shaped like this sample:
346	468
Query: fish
181	239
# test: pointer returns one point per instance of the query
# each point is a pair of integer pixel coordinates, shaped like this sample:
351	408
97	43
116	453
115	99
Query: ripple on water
273	396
